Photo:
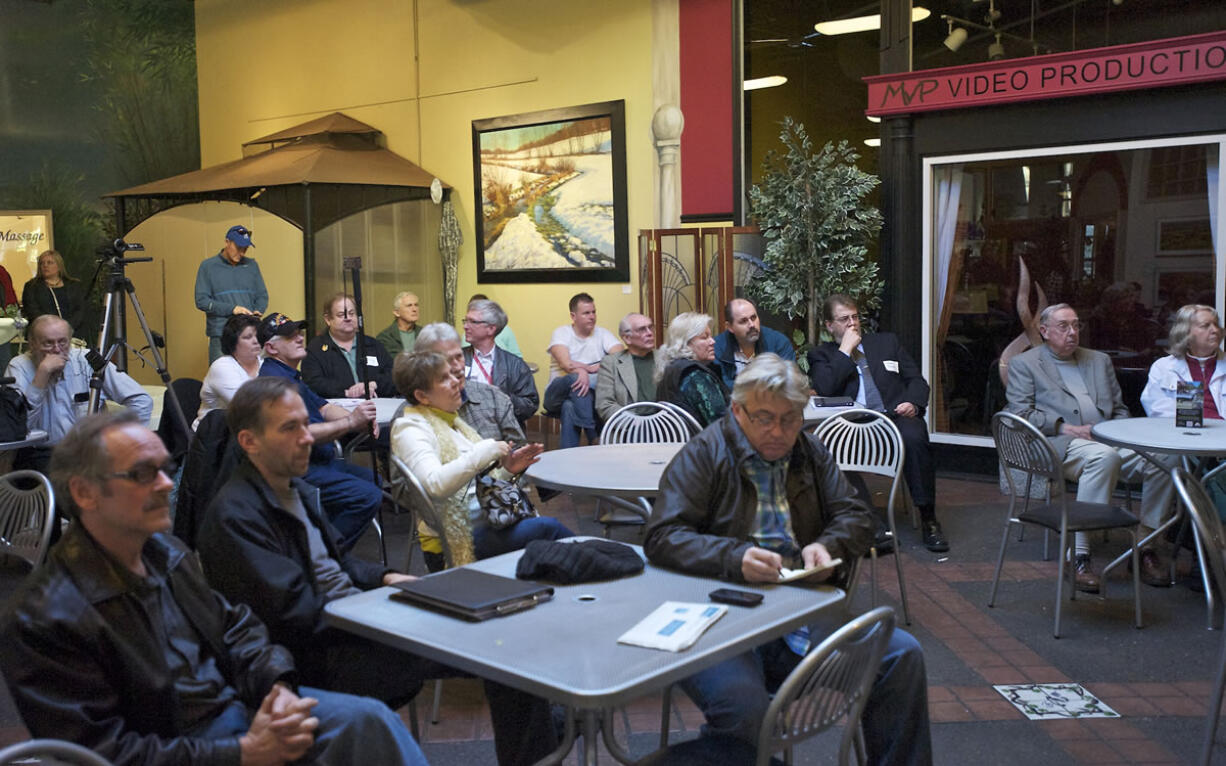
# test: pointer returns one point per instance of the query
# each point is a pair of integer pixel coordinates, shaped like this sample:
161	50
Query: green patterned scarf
453	510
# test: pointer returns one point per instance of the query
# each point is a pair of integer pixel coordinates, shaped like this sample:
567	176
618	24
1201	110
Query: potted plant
817	226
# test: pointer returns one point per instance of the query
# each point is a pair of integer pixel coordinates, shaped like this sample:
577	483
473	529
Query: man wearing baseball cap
229	283
348	493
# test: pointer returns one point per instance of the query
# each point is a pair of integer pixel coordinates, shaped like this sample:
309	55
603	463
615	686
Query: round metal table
621	470
1150	435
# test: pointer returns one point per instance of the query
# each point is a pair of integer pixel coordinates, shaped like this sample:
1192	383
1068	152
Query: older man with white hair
626	376
401	334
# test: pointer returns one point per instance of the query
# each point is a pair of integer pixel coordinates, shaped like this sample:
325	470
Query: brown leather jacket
84	662
706	508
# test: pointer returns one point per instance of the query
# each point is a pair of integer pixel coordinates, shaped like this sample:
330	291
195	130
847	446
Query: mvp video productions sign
1161	63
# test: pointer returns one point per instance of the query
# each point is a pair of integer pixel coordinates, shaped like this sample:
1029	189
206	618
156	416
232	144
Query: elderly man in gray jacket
626	375
1063	390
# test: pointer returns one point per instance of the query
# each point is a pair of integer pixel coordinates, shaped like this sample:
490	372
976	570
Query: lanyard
477	361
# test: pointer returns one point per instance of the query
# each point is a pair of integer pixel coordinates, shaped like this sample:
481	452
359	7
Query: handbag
14	415
503	502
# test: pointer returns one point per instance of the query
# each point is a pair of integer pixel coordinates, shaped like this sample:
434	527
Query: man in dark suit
876	371
485	363
331	367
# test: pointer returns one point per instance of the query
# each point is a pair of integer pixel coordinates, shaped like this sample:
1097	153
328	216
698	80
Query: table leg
591	722
1176	516
610	741
565	746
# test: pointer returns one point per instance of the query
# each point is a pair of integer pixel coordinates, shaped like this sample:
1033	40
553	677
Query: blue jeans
488	541
733	697
349	496
351	730
577	412
214	348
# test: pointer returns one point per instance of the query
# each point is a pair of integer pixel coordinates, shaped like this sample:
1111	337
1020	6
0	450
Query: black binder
832	401
472	594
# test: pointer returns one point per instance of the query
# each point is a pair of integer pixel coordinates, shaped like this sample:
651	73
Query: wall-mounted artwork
551	195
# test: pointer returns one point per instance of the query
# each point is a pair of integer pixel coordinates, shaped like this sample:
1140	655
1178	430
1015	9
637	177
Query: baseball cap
240	235
278	324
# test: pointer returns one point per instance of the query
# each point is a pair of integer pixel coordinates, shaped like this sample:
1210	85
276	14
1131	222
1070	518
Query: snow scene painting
551	194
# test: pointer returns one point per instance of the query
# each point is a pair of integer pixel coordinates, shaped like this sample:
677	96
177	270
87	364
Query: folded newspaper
673	626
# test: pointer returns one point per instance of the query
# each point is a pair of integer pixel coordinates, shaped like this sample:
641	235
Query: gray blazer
1036	391
616	384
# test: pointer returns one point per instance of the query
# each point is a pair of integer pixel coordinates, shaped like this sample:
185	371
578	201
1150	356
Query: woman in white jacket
1195	355
445	454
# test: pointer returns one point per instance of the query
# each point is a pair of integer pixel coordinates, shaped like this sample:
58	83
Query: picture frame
1184	236
550	190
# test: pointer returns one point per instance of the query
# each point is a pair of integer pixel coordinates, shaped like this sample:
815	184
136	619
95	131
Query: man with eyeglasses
627	376
332	368
486	362
743	338
118	644
1063	390
749	495
229	283
876	371
55	378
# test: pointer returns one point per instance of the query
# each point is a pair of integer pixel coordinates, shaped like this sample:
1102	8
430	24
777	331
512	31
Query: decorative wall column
666	126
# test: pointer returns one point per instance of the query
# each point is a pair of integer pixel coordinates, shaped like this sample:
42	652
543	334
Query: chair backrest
187	390
1021	446
863	440
408	492
649	422
27	513
210	459
831	682
51	751
1205	516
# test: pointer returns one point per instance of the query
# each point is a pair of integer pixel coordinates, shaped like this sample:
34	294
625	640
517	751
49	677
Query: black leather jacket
706	509
256	554
84	662
327	372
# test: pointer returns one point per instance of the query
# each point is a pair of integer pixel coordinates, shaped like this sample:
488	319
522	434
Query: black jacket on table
511	374
85	664
257	554
707	508
833	373
326	371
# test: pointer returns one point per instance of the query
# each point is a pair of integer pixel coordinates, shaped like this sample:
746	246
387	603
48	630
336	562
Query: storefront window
1124	233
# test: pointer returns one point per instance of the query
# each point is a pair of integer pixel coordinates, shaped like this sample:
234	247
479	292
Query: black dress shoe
934	538
883	541
1086	581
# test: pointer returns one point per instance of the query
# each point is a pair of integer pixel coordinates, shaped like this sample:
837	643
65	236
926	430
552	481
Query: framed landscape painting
551	195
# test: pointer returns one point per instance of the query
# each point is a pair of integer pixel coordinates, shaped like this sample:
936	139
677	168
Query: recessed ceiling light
871	118
873	142
772	81
863	23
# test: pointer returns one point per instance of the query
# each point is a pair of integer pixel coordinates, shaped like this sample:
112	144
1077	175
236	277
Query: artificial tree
812	212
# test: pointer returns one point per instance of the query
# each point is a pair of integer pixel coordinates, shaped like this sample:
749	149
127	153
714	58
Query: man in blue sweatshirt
229	283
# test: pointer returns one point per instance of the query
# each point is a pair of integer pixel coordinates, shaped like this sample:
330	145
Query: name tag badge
372	361
891	365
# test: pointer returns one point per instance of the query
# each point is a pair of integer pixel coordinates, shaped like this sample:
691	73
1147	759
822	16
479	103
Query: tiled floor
1157	678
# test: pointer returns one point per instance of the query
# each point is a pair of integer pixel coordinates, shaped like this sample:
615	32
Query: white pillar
666	126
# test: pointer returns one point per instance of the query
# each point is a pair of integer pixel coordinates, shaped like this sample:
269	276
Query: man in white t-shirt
575	351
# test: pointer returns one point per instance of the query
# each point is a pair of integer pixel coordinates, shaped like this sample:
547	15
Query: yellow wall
264	66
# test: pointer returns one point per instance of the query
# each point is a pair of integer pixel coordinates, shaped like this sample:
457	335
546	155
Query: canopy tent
311	175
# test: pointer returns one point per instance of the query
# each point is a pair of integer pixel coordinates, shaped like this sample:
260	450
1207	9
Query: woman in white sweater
445	454
1195	355
239	363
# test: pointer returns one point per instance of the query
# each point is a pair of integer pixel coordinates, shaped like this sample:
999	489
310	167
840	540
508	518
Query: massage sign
1160	63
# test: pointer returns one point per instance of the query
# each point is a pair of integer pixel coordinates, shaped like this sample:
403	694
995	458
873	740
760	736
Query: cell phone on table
735	597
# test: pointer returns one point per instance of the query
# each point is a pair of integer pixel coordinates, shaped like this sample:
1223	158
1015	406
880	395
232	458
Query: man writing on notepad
747	497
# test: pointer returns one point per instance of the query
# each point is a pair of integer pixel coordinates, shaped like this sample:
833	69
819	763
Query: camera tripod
118	286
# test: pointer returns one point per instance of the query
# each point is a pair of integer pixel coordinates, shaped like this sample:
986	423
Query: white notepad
673	626
788	575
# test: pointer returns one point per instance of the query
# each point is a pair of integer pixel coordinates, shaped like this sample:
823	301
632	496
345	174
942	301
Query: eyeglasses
145	474
846	319
475	321
240	231
641	330
764	419
1064	328
55	345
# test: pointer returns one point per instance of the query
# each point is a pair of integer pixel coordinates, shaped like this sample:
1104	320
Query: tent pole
308	258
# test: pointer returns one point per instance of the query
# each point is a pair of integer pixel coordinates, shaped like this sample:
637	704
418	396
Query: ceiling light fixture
873	142
770	81
957	36
996	50
871	118
863	23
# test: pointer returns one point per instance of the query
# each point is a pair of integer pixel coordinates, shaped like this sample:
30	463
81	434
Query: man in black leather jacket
118	644
264	542
752	494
